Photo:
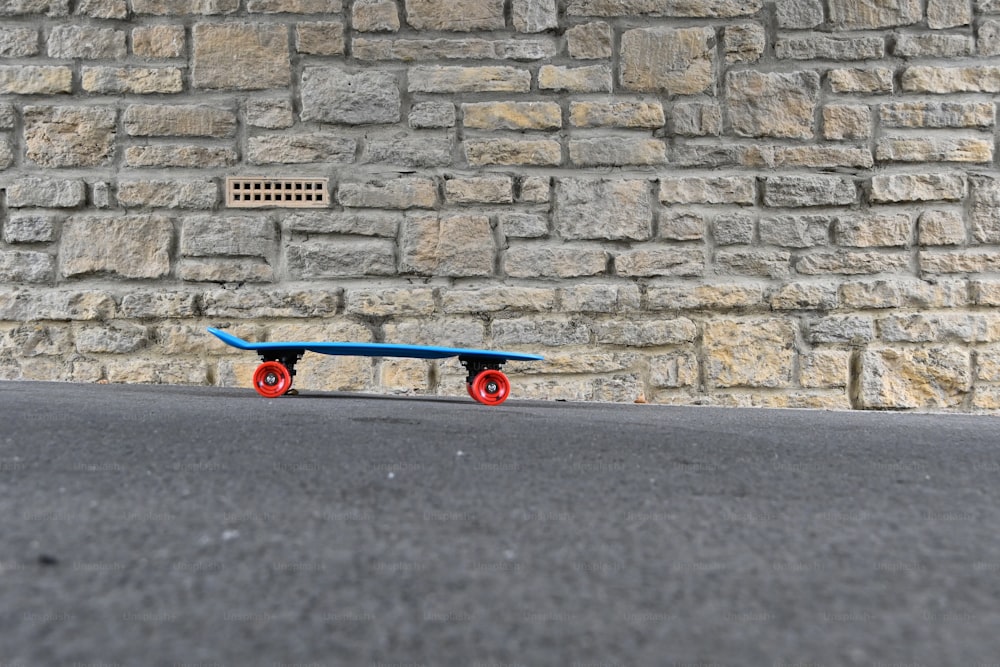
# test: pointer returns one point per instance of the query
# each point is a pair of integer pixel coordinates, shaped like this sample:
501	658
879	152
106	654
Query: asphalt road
203	526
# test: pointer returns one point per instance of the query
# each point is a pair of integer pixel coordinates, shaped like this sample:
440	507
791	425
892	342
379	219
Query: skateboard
486	382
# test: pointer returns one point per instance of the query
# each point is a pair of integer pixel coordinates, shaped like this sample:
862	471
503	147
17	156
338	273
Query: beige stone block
159	41
455	15
948	13
390	302
934	149
512	116
620	113
772	104
320	38
240	56
66	136
846	122
447	245
436	79
932	79
712	296
937	376
542	261
35	80
757	352
874	230
590	79
938	227
876	80
178	120
589	41
129	246
405	376
825	369
674	61
513	152
132	80
375	16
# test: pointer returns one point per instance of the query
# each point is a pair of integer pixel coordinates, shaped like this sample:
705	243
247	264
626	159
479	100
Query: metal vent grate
257	192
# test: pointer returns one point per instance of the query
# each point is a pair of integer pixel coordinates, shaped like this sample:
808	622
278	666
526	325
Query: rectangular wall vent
260	192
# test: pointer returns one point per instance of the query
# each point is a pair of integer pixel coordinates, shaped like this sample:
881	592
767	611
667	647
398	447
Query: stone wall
738	202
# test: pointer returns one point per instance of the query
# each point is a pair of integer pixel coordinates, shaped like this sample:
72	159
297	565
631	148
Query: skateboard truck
273	377
485	382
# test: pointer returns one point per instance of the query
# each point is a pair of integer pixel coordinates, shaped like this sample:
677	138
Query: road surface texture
154	525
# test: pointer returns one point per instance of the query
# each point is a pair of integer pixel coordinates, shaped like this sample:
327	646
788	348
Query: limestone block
539	330
852	263
682	225
270	303
28	7
179	120
757	352
35	80
744	42
168	194
391	302
159	41
455	15
343	222
184	7
447	245
933	149
132	80
875	80
816	190
948	13
989	38
31	306
600	298
511	152
617	151
772	104
436	79
799	14
534	15
894	188
589	41
512	116
86	42
697	119
825	369
590	79
26	266
671	8
708	190
398	193
18	42
340	259
303	148
867	15
873	230
942	228
931	79
129	246
33	191
406	149
620	113
157	304
984	208
246	236
805	296
930	377
796	231
677	61
375	16
410	50
428	115
632	333
320	38
855	329
979	115
444	331
480	190
294	6
967	261
523	225
660	261
535	190
499	298
825	47
753	262
240	56
935	46
188	157
225	270
270	114
603	209
847	122
558	261
733	229
30	228
69	136
111	338
332	95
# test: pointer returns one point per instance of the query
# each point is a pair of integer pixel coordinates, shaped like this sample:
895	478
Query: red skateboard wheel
491	387
272	379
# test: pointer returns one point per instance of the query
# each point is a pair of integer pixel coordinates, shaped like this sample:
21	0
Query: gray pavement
182	526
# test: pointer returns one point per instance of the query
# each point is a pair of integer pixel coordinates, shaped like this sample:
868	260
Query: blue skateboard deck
486	383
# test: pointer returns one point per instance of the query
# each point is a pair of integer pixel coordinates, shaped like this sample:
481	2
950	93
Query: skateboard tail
230	339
